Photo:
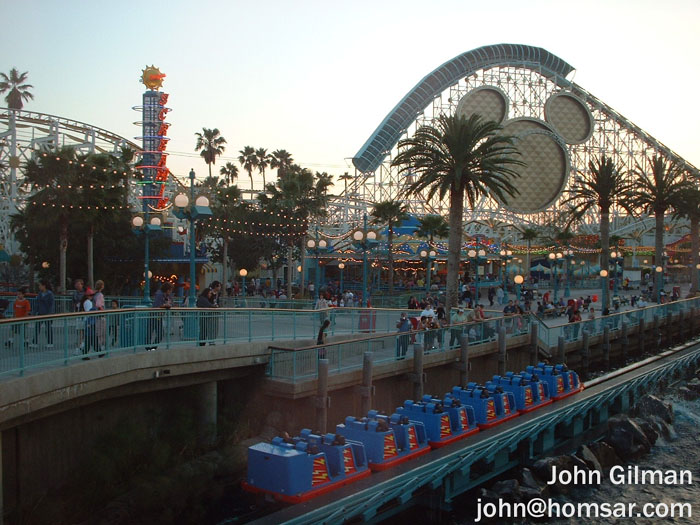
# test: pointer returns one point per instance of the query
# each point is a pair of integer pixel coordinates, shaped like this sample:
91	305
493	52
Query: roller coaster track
444	474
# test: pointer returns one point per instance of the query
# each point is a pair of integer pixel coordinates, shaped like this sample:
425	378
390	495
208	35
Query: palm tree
604	188
687	206
211	144
230	172
432	226
656	193
389	213
281	160
17	90
264	160
249	161
345	177
529	235
458	157
300	195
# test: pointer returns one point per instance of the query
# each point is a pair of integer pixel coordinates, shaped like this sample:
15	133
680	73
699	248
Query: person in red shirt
22	307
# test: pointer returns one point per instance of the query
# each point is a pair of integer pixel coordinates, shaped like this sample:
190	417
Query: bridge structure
559	127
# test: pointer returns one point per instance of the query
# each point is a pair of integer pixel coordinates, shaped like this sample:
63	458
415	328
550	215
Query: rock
605	454
627	438
545	467
508	490
274	419
694	384
589	458
688	394
648	429
488	496
652	406
663	428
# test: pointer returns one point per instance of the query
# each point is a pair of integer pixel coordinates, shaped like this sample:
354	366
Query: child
21	308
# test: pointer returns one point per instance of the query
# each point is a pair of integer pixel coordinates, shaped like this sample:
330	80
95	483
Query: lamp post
659	283
145	224
616	258
243	273
192	208
554	260
364	238
428	256
476	256
604	288
315	246
341	266
569	256
518	280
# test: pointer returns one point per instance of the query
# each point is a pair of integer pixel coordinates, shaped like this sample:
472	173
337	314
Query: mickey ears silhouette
541	143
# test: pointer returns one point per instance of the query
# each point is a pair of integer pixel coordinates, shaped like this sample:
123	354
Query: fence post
322	399
586	352
463	360
606	347
417	375
366	390
534	327
640	336
561	350
502	350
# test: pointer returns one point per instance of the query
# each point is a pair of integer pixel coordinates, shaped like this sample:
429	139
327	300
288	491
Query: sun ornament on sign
152	78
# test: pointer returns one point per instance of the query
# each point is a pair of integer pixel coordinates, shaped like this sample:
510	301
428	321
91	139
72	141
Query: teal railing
61	339
302	363
549	335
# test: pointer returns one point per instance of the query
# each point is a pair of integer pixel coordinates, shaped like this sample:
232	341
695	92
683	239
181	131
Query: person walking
204	301
404	326
100	321
20	309
45	305
162	299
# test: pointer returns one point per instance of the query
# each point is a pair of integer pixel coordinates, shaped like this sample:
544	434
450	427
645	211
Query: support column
502	350
606	348
207	410
417	375
366	390
586	352
657	333
533	343
624	341
640	337
464	360
561	349
322	400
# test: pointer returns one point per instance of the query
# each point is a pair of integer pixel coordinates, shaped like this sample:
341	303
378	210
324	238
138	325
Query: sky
316	77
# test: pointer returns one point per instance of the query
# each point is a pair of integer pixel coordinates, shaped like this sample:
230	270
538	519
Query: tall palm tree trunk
390	257
454	247
659	239
302	280
694	247
63	245
224	262
90	257
290	269
605	251
527	259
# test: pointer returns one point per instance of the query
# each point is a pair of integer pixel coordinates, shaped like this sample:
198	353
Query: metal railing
302	363
549	335
61	339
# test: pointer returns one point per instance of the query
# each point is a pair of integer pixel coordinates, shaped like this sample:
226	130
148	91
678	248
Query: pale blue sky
317	77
